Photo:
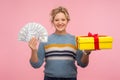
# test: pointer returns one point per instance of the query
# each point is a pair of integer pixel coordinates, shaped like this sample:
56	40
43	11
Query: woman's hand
87	52
85	57
33	43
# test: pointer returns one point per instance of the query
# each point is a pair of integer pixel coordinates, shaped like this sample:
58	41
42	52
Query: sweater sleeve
79	54
41	56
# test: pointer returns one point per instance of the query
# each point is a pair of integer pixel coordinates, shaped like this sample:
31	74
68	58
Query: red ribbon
96	40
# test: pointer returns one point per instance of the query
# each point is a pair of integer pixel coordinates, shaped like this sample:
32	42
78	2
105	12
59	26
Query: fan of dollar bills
33	30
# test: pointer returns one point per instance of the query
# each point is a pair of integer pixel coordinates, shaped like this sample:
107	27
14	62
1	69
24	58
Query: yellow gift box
90	43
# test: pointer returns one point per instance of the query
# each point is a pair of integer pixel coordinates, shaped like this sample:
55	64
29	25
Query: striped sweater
59	54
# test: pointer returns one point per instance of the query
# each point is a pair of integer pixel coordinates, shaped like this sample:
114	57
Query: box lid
86	39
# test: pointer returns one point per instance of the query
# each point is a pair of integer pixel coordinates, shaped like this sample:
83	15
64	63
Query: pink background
96	16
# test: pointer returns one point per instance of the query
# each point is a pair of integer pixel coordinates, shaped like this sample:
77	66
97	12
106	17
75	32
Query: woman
60	52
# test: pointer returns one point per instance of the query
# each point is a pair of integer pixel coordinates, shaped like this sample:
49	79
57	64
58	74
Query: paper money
33	30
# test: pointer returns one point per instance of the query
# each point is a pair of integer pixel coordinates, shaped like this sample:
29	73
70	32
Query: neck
60	32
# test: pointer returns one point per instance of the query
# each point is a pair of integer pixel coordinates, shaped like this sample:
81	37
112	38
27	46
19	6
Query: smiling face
60	22
60	18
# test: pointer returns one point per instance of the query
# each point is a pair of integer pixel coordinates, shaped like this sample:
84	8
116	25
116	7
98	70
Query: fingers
33	43
88	51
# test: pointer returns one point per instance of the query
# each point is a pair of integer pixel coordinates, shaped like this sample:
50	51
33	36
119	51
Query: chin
60	29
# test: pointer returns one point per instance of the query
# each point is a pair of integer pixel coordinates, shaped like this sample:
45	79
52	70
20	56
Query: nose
60	22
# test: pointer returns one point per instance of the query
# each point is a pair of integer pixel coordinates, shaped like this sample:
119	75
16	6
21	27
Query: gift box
94	42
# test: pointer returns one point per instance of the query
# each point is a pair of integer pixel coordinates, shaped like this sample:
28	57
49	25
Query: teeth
33	29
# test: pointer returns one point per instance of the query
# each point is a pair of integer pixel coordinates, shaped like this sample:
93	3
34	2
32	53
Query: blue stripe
65	51
60	55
